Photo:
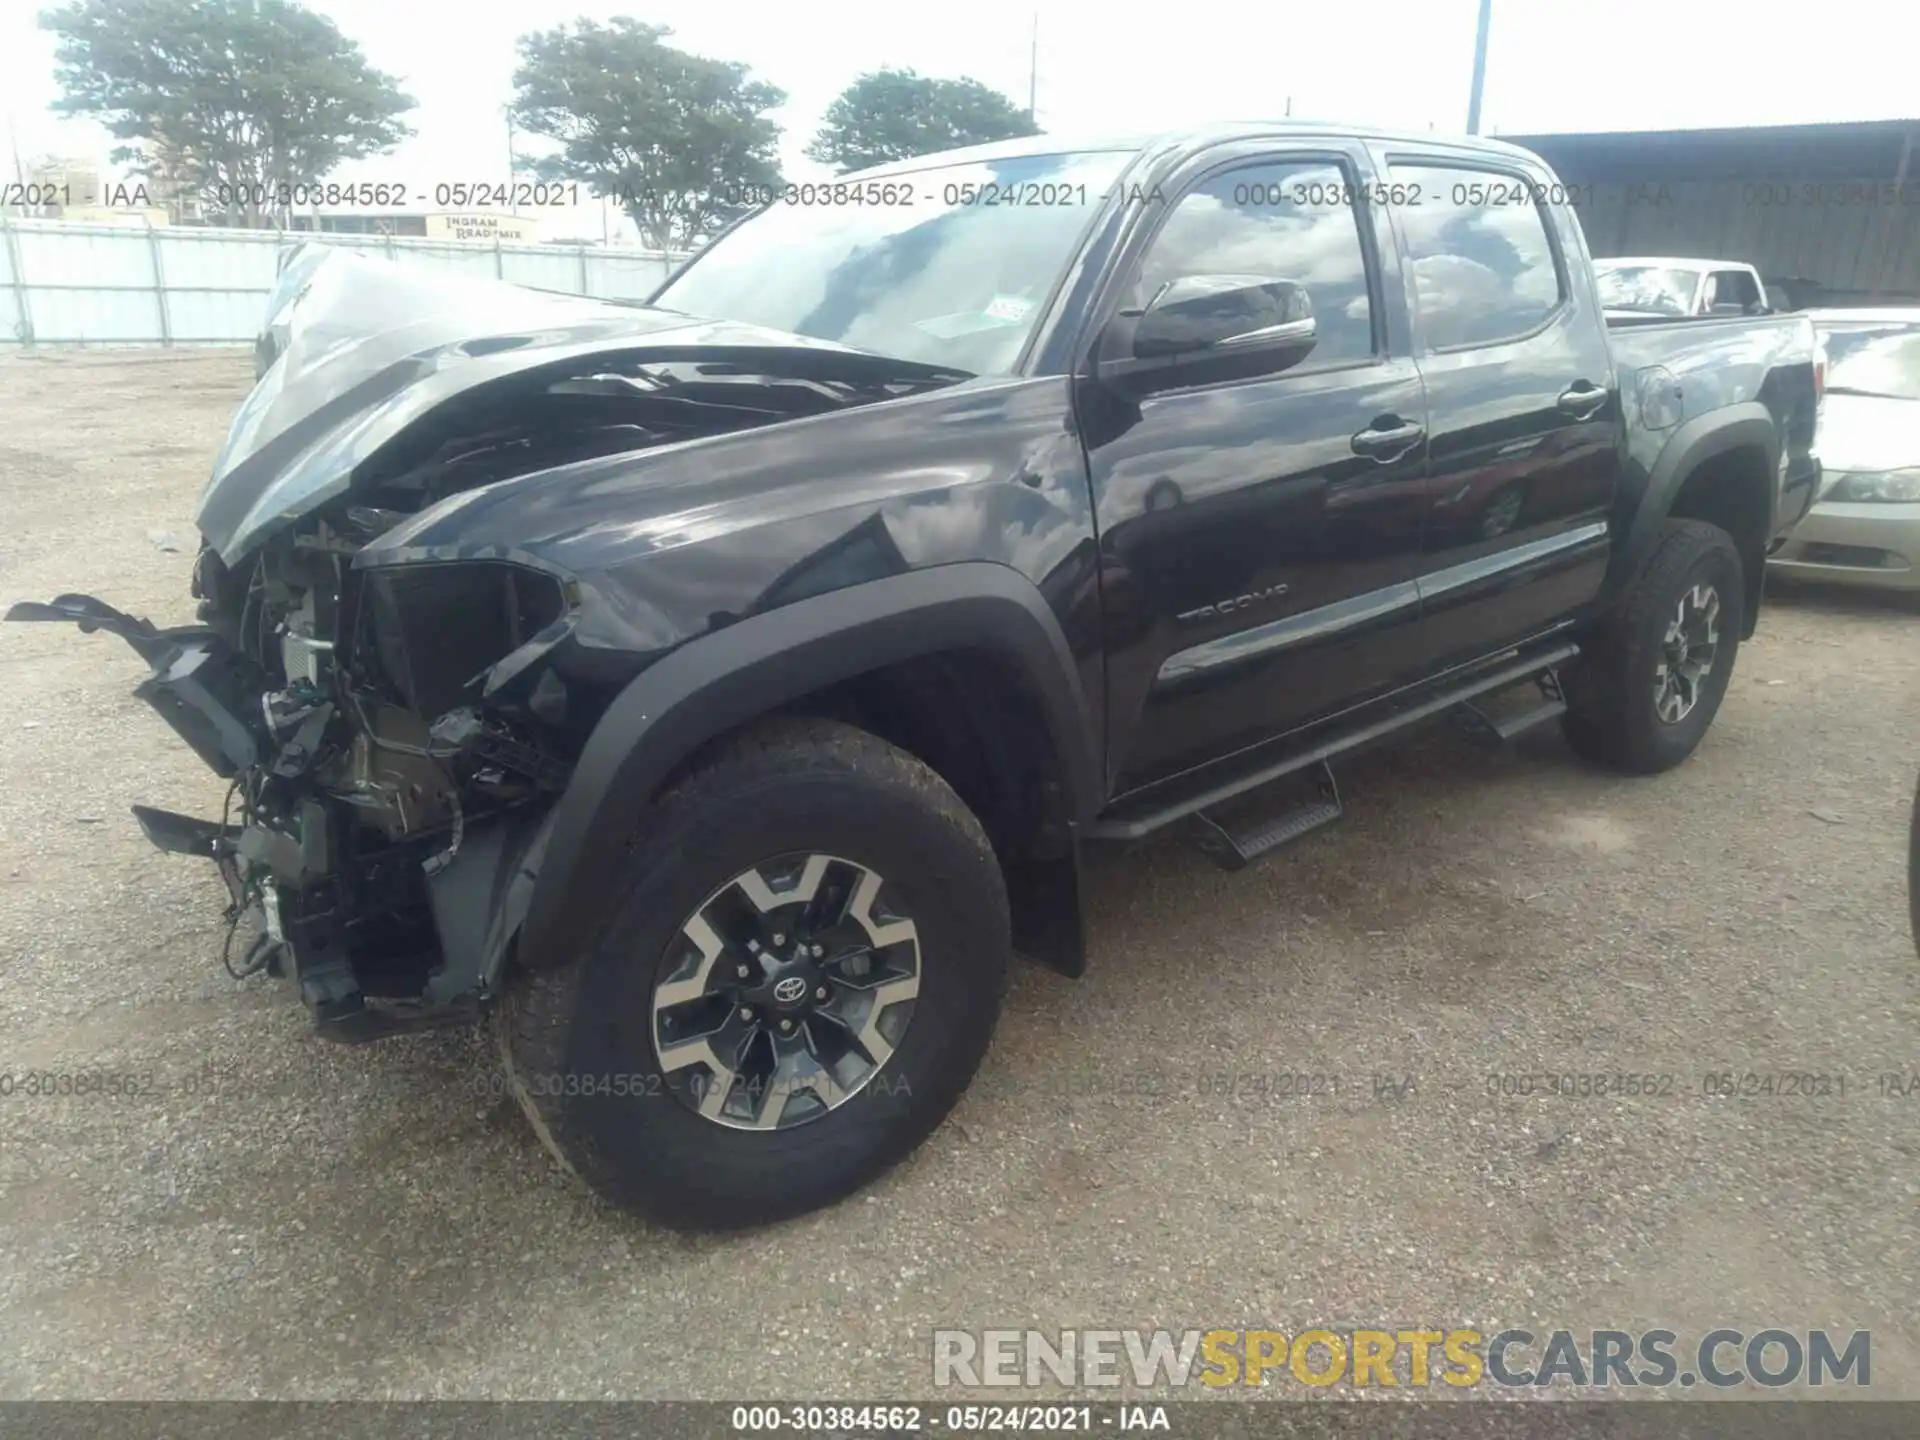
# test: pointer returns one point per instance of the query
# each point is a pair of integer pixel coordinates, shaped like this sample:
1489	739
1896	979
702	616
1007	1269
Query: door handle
1583	399
1388	443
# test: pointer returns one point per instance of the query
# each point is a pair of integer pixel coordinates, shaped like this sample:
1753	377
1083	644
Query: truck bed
1723	360
1672	372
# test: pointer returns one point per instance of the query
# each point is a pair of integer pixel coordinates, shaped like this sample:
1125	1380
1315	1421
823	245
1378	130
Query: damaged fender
749	669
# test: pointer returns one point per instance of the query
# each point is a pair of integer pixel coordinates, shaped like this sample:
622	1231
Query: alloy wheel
787	991
1687	654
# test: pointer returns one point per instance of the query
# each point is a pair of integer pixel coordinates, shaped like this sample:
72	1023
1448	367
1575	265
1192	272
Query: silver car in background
1864	528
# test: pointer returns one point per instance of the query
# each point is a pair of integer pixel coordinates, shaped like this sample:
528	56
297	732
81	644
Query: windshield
1649	289
1874	360
947	266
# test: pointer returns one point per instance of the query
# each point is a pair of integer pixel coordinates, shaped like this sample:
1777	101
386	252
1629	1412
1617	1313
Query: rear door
1258	535
1525	437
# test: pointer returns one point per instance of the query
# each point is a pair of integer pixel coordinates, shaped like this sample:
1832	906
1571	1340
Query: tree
897	114
237	101
682	143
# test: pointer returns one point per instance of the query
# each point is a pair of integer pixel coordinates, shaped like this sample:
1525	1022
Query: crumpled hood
364	348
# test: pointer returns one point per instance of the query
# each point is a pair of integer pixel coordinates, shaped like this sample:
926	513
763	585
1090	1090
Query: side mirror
1202	327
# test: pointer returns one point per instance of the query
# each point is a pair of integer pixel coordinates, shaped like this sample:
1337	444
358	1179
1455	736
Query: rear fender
1700	440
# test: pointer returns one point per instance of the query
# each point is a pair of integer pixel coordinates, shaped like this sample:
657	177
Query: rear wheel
1651	677
797	979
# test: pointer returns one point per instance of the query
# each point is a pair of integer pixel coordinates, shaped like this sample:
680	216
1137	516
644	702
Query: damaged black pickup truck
712	694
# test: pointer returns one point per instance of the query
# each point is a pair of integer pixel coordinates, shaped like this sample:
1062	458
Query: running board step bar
1130	823
1497	729
1235	850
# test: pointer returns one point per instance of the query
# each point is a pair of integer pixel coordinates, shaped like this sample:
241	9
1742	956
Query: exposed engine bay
394	735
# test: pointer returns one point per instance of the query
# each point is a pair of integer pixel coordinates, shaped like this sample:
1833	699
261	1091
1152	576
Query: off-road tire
785	786
1611	717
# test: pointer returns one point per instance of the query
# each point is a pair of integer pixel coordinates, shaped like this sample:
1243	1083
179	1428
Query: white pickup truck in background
1662	287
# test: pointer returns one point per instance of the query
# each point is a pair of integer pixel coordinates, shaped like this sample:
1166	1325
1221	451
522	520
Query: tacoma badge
1228	606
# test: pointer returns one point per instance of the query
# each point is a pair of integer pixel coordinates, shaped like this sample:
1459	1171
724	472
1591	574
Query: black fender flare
1746	425
731	676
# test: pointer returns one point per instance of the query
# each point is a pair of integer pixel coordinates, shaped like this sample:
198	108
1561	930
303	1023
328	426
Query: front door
1259	536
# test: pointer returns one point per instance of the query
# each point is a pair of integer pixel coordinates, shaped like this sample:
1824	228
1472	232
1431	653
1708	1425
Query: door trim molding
1514	557
1207	659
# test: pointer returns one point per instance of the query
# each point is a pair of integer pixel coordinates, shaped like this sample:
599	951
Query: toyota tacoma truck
711	695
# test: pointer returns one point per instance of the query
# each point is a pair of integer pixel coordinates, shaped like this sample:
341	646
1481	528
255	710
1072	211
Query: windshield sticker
1010	308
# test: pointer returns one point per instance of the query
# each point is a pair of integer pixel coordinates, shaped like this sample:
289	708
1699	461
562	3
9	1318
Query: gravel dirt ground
275	1216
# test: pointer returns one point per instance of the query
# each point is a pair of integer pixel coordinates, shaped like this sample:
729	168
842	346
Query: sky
1106	67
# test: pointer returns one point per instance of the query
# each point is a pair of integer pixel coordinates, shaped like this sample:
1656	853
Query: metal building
1830	214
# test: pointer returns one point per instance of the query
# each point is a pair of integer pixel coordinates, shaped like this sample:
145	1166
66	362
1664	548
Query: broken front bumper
199	686
293	863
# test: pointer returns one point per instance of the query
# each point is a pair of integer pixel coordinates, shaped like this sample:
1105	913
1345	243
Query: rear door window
1484	267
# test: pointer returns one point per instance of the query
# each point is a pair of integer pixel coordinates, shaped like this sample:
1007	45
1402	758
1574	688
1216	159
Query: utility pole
511	161
13	139
1479	67
1033	71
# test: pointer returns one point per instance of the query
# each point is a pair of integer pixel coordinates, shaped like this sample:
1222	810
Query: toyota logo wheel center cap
790	990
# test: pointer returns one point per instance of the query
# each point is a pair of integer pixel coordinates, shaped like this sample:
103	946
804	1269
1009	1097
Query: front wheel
1651	677
799	973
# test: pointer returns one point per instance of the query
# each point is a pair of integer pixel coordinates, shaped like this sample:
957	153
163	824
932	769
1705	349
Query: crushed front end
387	774
394	704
